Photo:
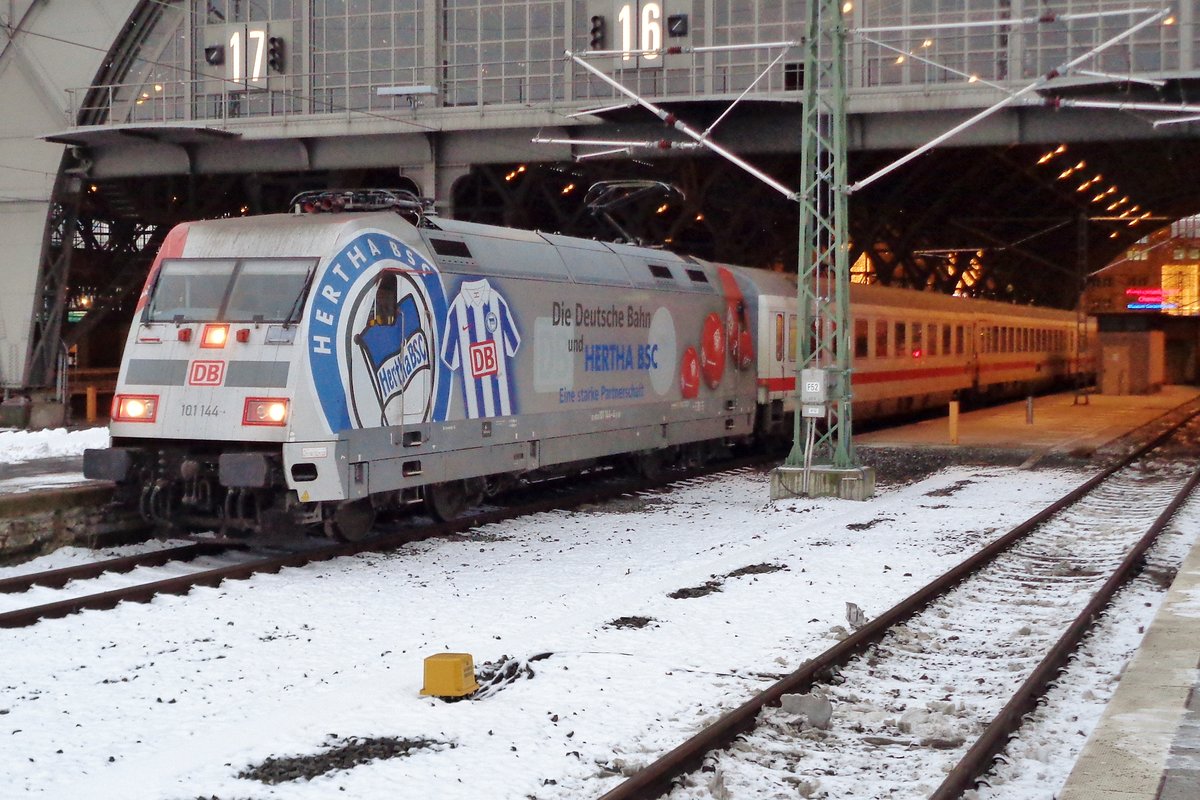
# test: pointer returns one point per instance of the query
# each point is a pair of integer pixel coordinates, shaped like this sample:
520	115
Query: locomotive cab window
189	291
268	290
244	290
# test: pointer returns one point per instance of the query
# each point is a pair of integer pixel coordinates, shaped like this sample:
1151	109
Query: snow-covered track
912	689
57	578
532	500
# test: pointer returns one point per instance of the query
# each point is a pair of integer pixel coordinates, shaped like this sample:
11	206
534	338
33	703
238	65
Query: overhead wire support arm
682	49
674	122
746	91
992	109
649	144
1041	19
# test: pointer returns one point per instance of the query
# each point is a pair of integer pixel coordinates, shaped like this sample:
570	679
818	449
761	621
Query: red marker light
243	335
184	334
917	353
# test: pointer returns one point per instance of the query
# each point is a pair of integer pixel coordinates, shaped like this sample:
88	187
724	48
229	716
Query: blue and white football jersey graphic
479	339
396	353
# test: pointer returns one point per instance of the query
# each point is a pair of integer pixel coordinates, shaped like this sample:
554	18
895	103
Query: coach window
958	339
931	339
793	326
947	331
779	337
881	327
862	338
900	339
917	339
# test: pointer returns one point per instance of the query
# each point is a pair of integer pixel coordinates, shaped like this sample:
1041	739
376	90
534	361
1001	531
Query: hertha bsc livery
397	353
479	338
373	365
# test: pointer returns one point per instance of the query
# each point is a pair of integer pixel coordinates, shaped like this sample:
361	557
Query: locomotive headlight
214	336
134	408
265	411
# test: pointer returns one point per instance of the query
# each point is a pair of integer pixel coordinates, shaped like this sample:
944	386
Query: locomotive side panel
469	354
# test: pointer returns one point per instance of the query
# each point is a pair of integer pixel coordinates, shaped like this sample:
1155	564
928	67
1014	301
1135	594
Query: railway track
925	696
249	562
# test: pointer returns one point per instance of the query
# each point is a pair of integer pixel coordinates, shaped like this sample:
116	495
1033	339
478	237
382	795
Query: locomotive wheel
352	521
652	464
446	501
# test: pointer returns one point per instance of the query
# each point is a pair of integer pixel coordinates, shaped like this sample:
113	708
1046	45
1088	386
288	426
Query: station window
861	338
881	328
900	339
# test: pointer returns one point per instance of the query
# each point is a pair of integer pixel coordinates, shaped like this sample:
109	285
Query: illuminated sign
1150	298
647	21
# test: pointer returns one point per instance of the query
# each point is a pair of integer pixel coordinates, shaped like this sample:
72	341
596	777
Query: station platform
1147	744
1053	423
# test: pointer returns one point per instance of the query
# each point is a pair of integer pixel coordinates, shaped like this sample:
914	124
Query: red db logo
483	359
206	373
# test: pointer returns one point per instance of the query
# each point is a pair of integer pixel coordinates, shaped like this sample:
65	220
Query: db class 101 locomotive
311	369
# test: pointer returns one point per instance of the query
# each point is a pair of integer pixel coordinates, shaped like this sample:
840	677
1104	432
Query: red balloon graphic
712	351
689	374
745	350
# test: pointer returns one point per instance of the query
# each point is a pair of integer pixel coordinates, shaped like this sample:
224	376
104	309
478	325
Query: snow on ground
17	446
175	698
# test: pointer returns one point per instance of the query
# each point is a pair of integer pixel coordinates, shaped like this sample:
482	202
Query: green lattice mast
823	293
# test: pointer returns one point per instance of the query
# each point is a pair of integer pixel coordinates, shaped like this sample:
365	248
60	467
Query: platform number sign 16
641	30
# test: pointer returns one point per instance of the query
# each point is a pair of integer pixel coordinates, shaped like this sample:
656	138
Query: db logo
483	359
206	373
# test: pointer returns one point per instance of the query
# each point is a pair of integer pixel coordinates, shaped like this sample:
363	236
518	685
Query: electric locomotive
312	368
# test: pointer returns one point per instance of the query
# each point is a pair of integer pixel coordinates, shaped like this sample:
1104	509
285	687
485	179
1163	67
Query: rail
548	497
659	777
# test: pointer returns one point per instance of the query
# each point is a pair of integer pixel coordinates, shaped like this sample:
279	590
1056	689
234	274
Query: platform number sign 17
249	55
